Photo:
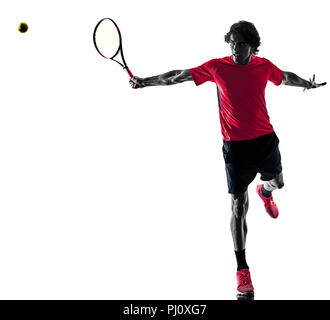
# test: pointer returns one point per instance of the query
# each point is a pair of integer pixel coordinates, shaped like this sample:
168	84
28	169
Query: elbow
285	78
288	78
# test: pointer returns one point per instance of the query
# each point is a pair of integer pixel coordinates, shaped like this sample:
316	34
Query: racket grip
129	72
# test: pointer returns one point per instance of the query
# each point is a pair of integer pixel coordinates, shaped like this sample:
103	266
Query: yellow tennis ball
23	27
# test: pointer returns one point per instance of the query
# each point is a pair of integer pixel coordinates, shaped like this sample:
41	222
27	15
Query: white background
112	193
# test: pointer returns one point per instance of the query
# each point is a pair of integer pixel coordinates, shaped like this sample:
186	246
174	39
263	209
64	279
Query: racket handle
129	72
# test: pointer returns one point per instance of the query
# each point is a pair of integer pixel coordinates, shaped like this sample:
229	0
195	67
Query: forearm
168	78
291	79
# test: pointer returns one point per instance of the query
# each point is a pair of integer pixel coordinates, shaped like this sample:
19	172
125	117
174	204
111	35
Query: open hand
313	84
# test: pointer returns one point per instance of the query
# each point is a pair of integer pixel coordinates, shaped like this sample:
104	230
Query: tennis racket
108	42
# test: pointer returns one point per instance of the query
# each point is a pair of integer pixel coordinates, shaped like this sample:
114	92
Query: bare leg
239	207
276	183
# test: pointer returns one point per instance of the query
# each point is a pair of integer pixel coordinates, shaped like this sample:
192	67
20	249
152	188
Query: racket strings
108	42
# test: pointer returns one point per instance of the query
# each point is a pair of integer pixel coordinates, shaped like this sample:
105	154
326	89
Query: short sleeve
203	73
275	74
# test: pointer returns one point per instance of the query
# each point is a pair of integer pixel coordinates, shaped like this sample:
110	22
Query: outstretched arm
291	79
165	79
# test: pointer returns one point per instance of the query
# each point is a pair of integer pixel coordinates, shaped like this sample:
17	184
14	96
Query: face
241	50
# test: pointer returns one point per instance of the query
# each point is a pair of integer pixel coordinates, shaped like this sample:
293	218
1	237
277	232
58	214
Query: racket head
107	38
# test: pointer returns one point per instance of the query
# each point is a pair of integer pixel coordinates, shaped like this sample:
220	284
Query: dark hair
248	31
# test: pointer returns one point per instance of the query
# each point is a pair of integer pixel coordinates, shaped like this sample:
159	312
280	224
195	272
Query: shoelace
244	279
269	201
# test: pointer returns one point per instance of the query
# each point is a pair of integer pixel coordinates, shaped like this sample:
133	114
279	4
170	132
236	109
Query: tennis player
250	145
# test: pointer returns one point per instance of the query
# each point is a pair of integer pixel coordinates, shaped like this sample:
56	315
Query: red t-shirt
243	113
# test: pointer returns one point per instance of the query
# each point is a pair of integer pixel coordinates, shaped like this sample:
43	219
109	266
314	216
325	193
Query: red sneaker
244	283
269	203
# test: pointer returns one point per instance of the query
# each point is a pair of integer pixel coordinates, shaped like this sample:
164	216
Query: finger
319	84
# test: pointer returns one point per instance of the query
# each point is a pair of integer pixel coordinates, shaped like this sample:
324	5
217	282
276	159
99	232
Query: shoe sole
245	295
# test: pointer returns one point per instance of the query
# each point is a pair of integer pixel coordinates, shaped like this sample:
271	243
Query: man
250	145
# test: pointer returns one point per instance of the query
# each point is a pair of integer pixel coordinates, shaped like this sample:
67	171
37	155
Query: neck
243	62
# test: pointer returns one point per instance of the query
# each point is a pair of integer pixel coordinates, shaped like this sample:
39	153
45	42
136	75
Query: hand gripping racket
108	42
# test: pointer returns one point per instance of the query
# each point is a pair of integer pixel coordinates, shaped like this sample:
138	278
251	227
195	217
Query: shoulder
260	60
265	61
228	60
211	65
216	64
217	61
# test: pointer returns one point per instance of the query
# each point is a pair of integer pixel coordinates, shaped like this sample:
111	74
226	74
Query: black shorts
244	159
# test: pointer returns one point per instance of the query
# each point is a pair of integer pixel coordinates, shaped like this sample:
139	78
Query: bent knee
278	182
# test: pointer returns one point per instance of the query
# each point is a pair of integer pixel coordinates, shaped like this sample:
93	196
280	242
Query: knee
279	182
239	211
239	207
